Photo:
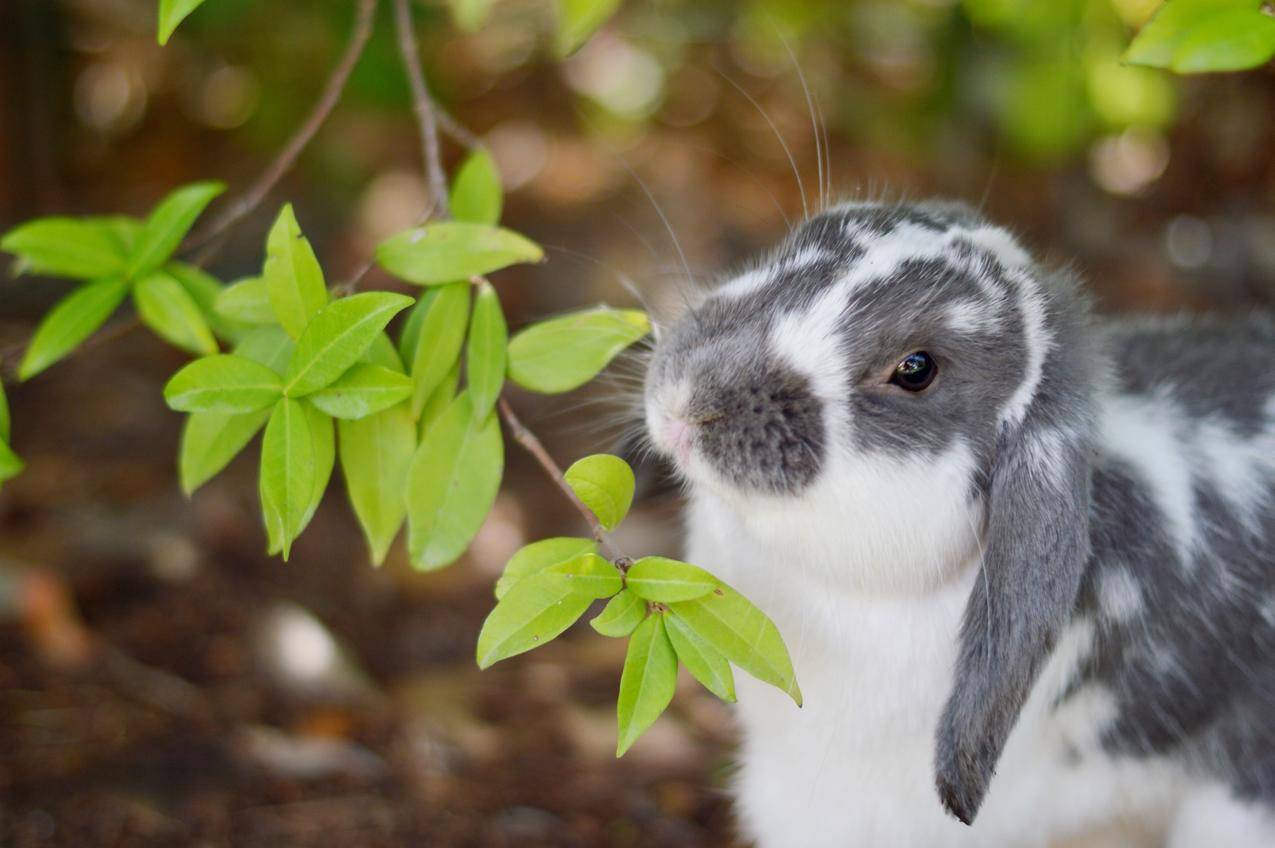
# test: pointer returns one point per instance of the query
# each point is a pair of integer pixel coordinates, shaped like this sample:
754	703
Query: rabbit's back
1181	587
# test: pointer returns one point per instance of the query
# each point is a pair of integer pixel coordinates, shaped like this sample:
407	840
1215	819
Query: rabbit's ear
1035	549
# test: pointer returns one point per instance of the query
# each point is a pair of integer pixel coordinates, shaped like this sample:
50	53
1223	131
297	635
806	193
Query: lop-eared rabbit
1024	558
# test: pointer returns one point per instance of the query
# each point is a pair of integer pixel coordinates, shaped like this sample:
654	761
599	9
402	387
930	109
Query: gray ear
1035	550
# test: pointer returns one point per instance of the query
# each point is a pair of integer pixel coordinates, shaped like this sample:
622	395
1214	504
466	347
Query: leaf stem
536	448
207	239
423	106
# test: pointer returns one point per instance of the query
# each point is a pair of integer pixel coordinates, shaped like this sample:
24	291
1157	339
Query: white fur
1142	432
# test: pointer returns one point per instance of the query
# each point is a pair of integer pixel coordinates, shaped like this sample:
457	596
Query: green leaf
1232	40
376	453
287	473
1157	41
441	334
705	663
210	440
410	332
382	352
743	634
485	358
453	250
470	15
590	574
605	484
293	277
224	383
323	441
578	20
172	13
536	557
337	336
620	616
363	390
11	464
165	306
452	484
70	322
476	193
439	400
246	301
204	289
564	353
666	580
647	683
83	249
268	346
168	224
532	612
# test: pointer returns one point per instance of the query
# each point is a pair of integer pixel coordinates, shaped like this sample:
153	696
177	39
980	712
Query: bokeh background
163	682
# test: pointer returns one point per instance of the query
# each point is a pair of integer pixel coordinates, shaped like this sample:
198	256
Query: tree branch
423	106
528	440
287	157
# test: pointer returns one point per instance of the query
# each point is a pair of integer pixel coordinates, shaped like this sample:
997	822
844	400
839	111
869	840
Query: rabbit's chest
855	765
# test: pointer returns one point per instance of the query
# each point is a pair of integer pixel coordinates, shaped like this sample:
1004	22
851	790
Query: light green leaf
536	557
269	346
1230	40
533	612
376	453
1158	40
578	20
70	322
288	475
11	464
204	289
410	332
168	224
470	15
485	358
476	193
453	250
743	634
605	484
224	383
441	334
452	484
705	663
564	353
382	352
666	580
439	400
363	390
293	277
164	306
172	13
590	574
246	301
210	440
80	248
323	442
647	683
337	336
620	616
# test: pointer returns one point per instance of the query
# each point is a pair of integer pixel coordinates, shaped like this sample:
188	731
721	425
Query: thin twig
533	445
12	357
458	131
423	106
287	157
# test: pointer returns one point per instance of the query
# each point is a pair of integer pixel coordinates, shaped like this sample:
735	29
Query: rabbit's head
905	378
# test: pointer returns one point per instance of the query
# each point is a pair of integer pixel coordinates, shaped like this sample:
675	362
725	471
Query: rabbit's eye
915	372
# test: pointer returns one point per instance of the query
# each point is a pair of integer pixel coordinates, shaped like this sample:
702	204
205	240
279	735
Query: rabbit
1023	558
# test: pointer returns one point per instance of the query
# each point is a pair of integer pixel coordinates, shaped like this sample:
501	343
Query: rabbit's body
1059	565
